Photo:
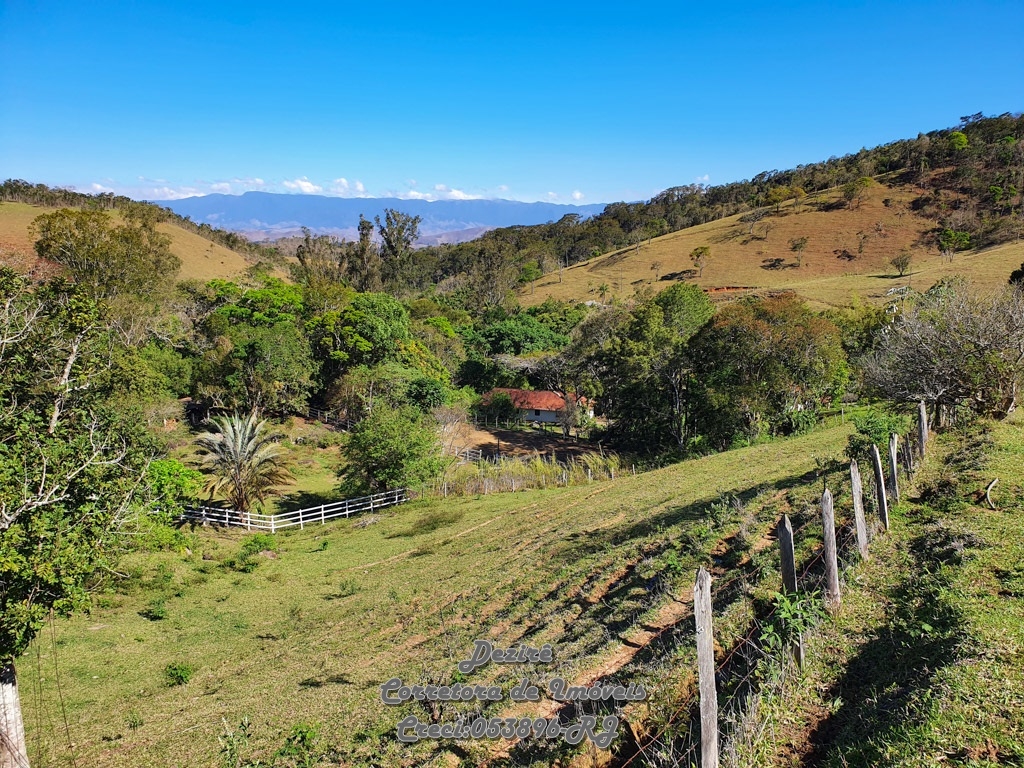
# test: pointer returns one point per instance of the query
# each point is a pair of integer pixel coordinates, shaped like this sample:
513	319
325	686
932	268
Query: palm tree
246	462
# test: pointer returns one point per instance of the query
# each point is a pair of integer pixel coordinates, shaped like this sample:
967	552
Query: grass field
847	253
310	634
200	258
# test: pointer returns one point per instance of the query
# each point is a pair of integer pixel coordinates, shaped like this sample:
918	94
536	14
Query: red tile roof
525	399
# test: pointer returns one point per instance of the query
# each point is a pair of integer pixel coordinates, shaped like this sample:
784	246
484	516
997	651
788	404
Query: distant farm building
538	405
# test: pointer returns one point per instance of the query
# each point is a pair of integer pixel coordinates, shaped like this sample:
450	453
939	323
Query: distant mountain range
267	216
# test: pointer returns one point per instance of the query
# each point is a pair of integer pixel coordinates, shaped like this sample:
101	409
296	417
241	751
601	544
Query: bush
155	611
347	588
178	673
874	428
245	561
157	536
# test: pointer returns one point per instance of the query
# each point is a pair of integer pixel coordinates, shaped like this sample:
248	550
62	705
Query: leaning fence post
883	503
706	670
858	509
828	520
893	449
788	556
922	428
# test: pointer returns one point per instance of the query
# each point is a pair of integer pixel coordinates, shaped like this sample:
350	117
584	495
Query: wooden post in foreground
893	449
828	520
922	428
706	670
788	555
858	510
13	746
883	503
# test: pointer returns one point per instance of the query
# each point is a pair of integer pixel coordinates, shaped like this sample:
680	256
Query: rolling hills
201	259
847	252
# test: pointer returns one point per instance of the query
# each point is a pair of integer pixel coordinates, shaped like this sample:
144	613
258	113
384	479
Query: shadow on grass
637	589
882	690
304	499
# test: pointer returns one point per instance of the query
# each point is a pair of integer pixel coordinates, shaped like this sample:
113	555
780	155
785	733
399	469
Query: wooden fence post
788	557
828	520
883	503
706	670
893	450
858	509
922	428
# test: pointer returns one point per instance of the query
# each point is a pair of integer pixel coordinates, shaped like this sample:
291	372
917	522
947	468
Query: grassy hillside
922	664
200	258
310	634
847	252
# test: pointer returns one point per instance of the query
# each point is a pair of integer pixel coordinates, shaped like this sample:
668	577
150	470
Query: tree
397	234
72	467
764	366
366	264
953	347
246	461
392	448
323	270
268	369
367	331
855	191
645	368
569	414
131	259
798	245
700	256
901	261
656	269
951	241
777	196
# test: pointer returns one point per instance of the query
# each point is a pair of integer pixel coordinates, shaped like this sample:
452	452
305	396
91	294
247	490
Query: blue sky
592	102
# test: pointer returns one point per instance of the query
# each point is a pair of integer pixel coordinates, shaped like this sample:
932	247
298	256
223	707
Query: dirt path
523	442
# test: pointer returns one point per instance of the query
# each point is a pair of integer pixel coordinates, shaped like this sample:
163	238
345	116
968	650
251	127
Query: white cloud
97	188
360	189
503	187
552	195
703	179
448	193
221	186
303	185
412	194
577	195
166	193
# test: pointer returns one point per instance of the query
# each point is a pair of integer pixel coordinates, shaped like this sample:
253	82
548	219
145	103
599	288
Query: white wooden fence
300	517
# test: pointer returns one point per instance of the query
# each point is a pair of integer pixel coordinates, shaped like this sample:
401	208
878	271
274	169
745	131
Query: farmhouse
538	405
